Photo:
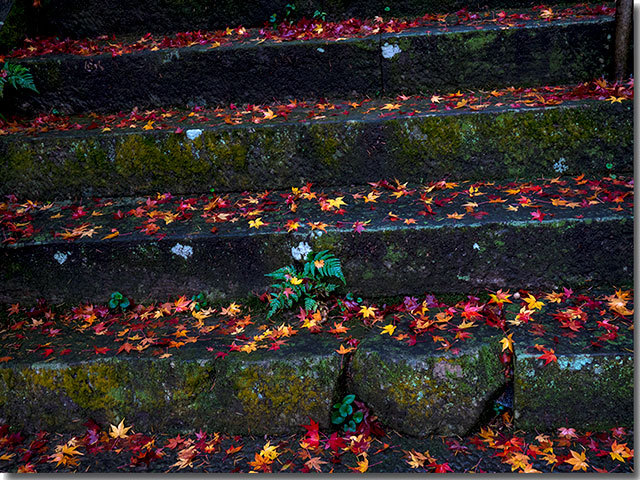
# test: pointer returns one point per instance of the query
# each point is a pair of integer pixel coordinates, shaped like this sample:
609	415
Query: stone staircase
459	154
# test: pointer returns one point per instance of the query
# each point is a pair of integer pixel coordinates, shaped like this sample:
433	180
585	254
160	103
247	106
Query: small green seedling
118	300
344	415
200	301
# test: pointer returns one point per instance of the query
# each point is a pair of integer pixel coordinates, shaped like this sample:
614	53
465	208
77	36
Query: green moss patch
588	137
259	393
420	390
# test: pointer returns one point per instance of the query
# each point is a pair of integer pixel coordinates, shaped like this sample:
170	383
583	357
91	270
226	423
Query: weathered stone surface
459	57
77	19
500	250
422	390
505	143
200	75
587	386
494	57
258	393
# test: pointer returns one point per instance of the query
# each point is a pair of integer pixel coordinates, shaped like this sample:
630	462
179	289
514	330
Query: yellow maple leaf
257	223
388	329
367	312
336	202
578	460
120	431
533	303
507	343
363	465
268	114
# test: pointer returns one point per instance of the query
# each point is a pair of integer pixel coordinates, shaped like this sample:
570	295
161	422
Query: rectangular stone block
580	374
423	390
258	393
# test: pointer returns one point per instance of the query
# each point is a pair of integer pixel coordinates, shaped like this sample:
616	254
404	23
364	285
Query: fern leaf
310	304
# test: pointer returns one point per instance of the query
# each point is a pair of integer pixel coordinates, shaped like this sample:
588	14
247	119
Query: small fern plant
319	276
17	76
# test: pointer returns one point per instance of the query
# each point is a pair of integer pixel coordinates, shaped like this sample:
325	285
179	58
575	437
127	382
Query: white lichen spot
321	50
193	133
61	257
301	251
184	251
171	55
560	166
390	51
575	362
476	246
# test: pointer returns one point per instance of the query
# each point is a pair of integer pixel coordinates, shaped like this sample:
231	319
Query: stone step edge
289	392
587	137
150	78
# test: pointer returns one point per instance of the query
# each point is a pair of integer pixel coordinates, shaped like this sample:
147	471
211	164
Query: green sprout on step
343	414
321	15
318	277
289	9
118	300
200	301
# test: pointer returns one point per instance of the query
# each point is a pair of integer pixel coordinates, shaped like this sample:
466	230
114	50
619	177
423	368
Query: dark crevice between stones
497	404
502	399
342	387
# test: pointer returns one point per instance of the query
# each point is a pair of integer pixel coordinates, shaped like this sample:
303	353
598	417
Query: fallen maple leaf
342	350
367	312
388	329
315	463
548	356
578	460
363	466
507	342
120	431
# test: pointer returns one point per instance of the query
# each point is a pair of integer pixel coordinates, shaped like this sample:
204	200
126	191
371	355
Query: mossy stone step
590	382
429	389
462	57
264	392
592	137
389	241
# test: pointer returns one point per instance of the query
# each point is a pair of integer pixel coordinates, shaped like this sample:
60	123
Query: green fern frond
310	304
18	76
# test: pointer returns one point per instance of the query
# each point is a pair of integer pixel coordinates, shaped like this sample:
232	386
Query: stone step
516	134
392	238
423	366
574	365
70	18
250	66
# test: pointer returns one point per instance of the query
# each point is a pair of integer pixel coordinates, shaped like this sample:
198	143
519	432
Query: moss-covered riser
494	57
594	391
421	391
587	137
384	261
258	393
461	57
76	19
